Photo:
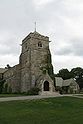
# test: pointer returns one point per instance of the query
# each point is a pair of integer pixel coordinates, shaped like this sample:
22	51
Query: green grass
12	95
64	110
79	95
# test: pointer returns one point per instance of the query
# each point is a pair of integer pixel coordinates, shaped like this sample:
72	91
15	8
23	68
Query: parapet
35	35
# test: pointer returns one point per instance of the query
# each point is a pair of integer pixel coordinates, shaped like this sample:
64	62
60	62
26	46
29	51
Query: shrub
33	91
10	90
5	89
1	85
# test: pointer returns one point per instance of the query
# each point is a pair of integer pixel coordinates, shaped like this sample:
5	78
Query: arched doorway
46	86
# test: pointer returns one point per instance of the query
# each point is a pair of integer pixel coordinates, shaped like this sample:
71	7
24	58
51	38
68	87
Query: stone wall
12	77
34	61
35	50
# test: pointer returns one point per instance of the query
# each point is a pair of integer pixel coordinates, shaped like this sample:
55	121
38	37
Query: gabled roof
2	70
44	77
68	82
58	81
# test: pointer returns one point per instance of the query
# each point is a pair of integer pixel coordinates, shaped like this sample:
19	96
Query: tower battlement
35	35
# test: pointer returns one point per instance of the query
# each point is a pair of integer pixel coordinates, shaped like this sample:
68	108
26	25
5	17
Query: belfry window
39	44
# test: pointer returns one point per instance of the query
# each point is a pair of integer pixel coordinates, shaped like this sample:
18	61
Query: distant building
34	69
70	85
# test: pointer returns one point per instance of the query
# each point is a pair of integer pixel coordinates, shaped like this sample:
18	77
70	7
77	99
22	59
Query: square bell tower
35	60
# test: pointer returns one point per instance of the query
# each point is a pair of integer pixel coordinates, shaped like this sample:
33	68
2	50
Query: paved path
3	99
78	96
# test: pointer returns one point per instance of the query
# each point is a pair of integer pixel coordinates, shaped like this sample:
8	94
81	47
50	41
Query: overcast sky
61	20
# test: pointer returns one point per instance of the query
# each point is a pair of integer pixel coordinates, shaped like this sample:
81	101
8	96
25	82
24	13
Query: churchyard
59	110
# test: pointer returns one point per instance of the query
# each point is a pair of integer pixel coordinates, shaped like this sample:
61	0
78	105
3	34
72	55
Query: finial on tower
35	26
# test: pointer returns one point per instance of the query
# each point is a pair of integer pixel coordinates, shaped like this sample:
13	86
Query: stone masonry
34	68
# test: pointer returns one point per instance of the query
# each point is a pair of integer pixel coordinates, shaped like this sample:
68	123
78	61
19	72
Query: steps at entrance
47	93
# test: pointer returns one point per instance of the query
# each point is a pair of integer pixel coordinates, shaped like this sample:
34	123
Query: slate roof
2	70
68	82
60	82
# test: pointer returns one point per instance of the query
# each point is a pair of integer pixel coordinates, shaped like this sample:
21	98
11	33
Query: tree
65	74
78	75
77	72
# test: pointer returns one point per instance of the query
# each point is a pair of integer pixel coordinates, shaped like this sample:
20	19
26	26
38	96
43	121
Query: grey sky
61	20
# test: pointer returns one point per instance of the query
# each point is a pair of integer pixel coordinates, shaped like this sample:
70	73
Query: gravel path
3	99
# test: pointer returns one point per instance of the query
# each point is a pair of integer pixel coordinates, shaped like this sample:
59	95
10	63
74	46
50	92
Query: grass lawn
78	95
64	110
12	95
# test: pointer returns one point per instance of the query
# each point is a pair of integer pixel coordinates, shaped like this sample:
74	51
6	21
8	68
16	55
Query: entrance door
46	86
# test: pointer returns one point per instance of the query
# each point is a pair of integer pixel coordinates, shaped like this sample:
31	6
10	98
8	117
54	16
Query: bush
1	85
10	90
5	89
33	91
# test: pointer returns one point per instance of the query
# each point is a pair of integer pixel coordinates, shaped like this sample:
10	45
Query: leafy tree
78	75
65	74
77	72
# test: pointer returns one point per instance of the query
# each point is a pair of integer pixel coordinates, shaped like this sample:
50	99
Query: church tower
35	61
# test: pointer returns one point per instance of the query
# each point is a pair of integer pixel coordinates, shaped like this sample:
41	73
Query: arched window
39	44
46	86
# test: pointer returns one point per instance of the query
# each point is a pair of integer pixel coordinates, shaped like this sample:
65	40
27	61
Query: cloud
73	47
69	62
61	20
8	44
8	59
40	3
77	47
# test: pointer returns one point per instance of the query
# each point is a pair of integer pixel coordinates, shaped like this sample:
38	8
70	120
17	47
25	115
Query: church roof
68	82
60	82
2	70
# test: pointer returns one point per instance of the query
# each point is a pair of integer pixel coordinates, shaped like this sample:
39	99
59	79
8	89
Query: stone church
34	69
